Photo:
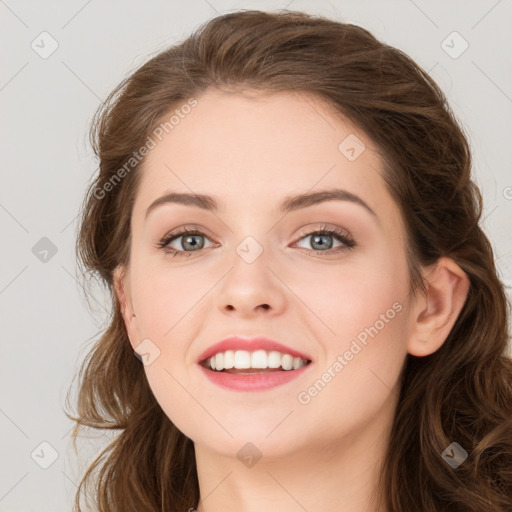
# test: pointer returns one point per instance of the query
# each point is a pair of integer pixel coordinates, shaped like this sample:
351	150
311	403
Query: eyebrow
289	204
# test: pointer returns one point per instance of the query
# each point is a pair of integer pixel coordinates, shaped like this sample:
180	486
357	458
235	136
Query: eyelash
335	232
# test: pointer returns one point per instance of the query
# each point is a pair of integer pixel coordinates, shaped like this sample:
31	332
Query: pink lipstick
260	363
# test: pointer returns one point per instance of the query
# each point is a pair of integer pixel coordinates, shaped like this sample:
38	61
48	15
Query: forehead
250	148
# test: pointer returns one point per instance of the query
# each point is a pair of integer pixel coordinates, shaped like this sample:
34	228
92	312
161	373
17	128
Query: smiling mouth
251	371
236	371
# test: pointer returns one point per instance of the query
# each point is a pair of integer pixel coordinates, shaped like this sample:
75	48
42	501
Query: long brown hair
461	393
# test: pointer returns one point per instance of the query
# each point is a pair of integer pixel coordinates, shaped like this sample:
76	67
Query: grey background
46	106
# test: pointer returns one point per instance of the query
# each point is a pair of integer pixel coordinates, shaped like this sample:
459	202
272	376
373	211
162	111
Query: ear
436	311
122	290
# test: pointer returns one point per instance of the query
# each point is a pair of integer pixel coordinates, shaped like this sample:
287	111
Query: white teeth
229	359
287	362
274	359
259	359
242	359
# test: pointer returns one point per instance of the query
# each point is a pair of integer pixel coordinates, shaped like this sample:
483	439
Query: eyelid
186	228
308	230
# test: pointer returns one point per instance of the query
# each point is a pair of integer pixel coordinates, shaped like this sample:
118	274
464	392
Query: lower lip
254	382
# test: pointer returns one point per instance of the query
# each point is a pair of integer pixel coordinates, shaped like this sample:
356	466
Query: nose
251	288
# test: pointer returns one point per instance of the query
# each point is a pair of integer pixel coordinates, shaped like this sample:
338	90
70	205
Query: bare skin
318	451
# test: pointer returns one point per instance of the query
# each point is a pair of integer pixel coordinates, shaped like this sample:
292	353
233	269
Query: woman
285	218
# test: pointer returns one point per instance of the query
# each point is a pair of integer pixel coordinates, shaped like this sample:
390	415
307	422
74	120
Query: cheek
360	314
359	371
367	310
344	298
163	294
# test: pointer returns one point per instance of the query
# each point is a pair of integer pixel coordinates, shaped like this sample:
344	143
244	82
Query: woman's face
257	271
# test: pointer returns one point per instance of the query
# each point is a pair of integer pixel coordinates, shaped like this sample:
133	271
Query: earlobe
437	310
118	280
126	307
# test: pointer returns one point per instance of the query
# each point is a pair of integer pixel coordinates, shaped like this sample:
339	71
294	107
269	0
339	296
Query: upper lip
252	344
